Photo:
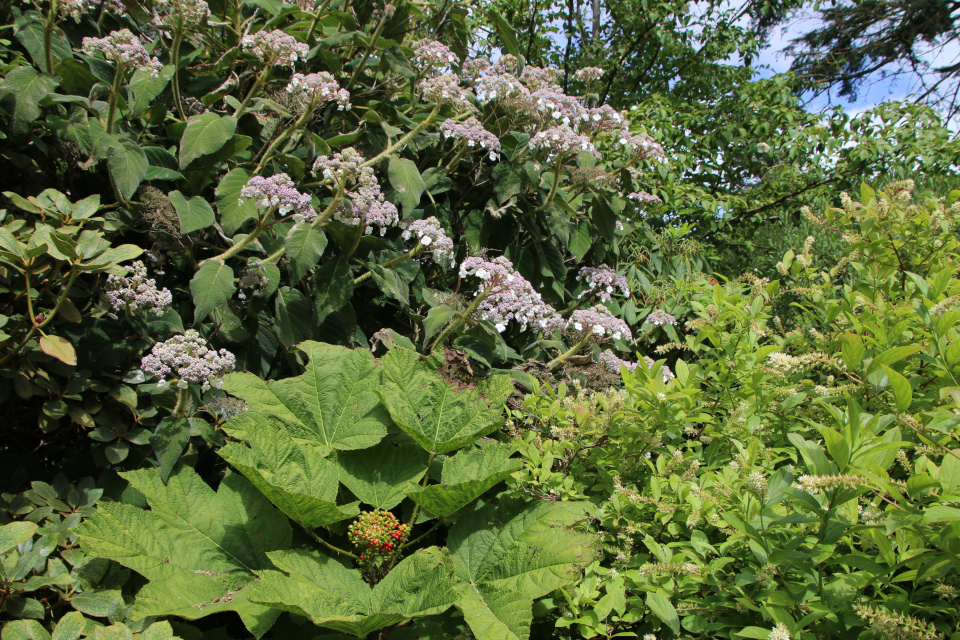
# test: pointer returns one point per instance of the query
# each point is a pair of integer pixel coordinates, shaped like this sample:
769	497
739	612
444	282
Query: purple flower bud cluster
431	235
537	78
434	54
588	74
123	48
500	86
511	297
254	279
660	318
275	47
194	11
642	145
322	87
604	118
612	364
474	134
343	167
278	191
368	204
474	68
600	322
445	89
603	280
562	140
642	198
187	360
556	105
76	8
137	291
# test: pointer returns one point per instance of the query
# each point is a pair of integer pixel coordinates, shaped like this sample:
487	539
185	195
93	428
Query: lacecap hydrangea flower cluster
278	191
431	235
511	296
599	322
368	206
603	281
434	54
77	8
321	87
660	318
275	47
473	133
123	48
193	11
137	291
187	360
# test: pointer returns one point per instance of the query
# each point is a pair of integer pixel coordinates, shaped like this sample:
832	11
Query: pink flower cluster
588	74
603	281
278	191
642	145
434	54
343	167
76	8
562	140
474	134
445	89
188	360
499	85
123	48
541	78
510	296
368	204
275	47
137	291
642	198
660	318
604	118
600	322
612	364
556	105
431	235
193	11
321	86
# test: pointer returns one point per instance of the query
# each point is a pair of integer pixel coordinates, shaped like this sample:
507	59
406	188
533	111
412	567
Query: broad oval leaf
194	214
210	287
304	246
205	134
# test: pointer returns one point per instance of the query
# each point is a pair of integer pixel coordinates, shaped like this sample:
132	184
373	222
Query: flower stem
556	362
253	91
461	318
114	96
330	546
391	262
175	59
182	394
302	120
405	139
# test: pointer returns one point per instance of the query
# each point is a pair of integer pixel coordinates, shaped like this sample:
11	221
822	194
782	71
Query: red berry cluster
376	533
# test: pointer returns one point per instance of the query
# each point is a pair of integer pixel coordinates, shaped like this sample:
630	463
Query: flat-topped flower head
500	86
644	199
604	118
343	168
562	140
123	48
599	322
559	108
445	89
473	133
432	236
187	360
603	281
434	54
588	74
511	296
275	47
321	87
537	78
370	207
641	146
77	8
193	12
659	318
278	191
136	291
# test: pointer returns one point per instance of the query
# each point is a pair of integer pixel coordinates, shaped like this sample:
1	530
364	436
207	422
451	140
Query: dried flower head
123	48
254	279
187	360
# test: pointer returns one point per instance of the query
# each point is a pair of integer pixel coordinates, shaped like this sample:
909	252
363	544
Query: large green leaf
436	414
197	548
210	287
194	213
405	178
146	87
466	476
294	317
299	480
204	135
332	286
22	90
304	246
506	555
332	405
336	597
379	475
15	533
232	213
126	162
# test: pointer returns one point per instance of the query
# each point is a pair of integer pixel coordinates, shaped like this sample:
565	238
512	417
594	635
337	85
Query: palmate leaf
336	597
434	413
198	548
379	475
465	477
331	406
296	478
506	555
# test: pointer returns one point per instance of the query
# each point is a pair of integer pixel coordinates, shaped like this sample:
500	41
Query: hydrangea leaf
336	597
465	477
379	475
298	479
508	554
197	548
332	405
438	416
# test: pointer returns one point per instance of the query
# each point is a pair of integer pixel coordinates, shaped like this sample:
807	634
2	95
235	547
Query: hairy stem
302	120
253	91
114	96
461	318
330	546
391	262
556	362
405	139
182	395
175	59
